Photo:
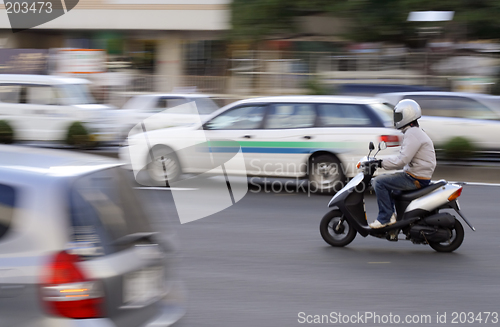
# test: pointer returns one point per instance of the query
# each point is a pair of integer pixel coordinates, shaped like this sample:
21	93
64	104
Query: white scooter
418	212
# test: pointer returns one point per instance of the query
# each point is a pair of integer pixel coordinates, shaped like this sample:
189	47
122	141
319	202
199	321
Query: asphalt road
263	263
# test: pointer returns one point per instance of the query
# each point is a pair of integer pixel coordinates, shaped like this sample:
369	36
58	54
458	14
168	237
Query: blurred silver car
449	114
76	248
168	108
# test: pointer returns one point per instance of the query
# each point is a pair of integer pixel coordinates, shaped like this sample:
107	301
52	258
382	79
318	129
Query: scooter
419	212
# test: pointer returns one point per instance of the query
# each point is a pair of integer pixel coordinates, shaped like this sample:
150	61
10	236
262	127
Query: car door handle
247	136
308	137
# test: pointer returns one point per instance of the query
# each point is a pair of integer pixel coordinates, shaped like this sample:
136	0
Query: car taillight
455	194
390	140
66	292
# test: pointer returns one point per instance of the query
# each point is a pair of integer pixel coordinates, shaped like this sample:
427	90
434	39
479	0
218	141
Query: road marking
277	194
381	262
166	188
479	184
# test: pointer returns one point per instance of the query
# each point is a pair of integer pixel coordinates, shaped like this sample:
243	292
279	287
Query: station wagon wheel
164	166
326	174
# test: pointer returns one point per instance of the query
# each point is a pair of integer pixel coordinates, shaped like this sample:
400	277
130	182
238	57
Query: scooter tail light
65	292
390	140
455	194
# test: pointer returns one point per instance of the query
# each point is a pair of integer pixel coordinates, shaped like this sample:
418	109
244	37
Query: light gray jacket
417	154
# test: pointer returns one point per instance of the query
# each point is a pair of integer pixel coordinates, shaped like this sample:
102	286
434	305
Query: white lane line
166	188
477	184
195	189
379	262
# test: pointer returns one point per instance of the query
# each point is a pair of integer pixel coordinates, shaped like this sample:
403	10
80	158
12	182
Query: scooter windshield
352	184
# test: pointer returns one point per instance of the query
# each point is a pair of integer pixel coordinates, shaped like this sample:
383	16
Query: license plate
143	287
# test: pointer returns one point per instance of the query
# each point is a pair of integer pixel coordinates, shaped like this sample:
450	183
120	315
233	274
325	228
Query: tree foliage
254	20
372	20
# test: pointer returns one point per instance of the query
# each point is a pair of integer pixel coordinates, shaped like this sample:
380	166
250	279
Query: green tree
372	20
254	20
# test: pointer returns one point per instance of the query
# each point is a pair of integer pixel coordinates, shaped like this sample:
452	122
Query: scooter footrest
397	225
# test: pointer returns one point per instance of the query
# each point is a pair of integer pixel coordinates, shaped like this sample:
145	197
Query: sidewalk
473	173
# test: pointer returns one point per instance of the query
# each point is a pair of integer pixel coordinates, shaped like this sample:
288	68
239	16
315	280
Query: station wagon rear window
104	209
340	115
290	115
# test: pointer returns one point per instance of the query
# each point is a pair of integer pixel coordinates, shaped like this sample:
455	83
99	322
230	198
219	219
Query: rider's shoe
377	224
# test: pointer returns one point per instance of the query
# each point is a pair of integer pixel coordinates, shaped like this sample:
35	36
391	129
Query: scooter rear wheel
336	230
456	239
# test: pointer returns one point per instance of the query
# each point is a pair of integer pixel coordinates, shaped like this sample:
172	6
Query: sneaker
377	224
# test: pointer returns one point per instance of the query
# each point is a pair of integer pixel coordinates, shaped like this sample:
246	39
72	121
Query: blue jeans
384	185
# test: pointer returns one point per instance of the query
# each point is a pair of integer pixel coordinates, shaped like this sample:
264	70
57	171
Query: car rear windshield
105	209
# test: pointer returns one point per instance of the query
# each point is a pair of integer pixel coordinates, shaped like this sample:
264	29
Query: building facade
153	37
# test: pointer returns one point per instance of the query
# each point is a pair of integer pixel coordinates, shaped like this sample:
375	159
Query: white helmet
405	112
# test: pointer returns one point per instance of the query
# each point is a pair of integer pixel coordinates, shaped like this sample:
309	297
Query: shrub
79	136
458	148
314	87
6	132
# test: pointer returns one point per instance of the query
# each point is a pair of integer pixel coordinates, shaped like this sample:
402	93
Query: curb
469	173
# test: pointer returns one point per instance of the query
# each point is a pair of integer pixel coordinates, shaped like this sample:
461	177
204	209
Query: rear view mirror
371	147
382	146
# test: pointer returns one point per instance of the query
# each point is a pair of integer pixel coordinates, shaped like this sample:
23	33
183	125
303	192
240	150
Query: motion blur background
277	265
236	49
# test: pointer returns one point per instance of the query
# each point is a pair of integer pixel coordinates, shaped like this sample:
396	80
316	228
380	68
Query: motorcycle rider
417	158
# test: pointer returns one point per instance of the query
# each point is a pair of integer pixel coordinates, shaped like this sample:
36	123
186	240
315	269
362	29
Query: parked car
448	114
44	108
319	137
172	109
76	247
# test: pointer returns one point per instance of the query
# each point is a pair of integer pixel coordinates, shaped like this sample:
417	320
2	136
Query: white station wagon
318	137
43	107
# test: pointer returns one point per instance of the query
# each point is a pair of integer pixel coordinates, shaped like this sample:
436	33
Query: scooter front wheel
336	230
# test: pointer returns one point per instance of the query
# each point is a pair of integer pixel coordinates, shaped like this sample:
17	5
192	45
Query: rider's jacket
416	157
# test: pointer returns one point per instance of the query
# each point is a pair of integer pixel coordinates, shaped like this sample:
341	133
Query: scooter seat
412	195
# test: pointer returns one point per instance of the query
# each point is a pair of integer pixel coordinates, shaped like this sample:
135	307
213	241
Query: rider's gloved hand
379	163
